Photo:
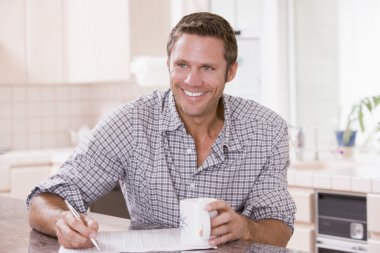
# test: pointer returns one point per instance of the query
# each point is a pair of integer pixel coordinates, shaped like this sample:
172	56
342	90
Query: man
190	141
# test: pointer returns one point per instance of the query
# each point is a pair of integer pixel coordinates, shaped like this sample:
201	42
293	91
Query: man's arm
229	226
44	212
49	214
268	231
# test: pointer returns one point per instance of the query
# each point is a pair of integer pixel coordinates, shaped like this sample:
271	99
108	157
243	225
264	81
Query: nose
193	78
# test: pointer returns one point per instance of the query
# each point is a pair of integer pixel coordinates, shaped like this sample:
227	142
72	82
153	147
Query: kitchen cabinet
373	219
21	170
44	41
12	42
304	199
303	238
73	41
374	245
96	39
373	213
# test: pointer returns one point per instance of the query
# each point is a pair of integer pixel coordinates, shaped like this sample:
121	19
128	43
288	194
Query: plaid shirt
144	146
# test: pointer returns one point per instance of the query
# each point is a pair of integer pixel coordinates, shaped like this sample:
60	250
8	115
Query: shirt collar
237	130
169	120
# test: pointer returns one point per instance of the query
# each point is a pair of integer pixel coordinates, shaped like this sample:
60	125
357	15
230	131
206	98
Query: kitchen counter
35	156
39	163
17	236
336	175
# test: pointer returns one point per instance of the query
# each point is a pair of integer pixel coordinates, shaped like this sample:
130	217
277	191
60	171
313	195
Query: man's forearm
44	212
268	231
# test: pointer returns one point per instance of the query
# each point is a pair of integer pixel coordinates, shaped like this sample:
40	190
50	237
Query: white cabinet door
97	40
373	213
44	41
12	41
304	199
373	246
303	239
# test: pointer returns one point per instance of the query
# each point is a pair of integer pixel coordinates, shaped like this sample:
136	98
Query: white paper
138	241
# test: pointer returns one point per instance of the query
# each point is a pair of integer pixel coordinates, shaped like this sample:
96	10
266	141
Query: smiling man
190	141
198	74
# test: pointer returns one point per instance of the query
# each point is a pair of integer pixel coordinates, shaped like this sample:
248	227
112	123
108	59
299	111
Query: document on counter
138	241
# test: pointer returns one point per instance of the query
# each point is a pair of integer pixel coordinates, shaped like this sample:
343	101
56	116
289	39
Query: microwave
341	222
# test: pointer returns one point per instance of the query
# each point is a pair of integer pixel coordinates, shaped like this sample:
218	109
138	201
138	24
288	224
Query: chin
191	111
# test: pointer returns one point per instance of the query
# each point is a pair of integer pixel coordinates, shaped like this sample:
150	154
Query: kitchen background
65	63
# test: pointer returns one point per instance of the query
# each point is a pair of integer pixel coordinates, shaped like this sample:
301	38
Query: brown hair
206	24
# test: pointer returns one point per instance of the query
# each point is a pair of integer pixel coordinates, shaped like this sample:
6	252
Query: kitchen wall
41	115
62	67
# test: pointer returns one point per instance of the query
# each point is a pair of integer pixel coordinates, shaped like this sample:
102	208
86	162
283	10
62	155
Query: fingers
227	226
219	231
218	205
74	233
222	239
222	218
71	239
92	225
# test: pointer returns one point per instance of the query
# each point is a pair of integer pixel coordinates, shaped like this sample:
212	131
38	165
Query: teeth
193	94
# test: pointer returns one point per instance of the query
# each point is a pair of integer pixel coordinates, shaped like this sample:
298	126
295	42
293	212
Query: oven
341	222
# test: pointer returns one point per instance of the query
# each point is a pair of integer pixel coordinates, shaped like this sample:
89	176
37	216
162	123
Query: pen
76	214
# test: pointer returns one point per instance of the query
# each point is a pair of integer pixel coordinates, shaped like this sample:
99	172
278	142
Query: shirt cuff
61	188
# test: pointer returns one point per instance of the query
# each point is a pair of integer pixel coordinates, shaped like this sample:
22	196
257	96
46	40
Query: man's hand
73	233
229	226
48	213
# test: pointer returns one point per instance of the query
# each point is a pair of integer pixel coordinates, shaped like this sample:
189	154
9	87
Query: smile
193	94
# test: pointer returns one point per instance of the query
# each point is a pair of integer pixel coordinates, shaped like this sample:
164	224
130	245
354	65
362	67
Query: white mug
195	221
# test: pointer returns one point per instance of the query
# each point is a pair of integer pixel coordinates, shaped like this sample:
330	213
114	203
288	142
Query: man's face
198	75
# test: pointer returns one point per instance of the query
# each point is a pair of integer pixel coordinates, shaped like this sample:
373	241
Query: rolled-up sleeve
269	197
92	170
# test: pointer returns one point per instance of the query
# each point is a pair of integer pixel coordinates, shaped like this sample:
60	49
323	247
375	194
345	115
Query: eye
182	65
208	68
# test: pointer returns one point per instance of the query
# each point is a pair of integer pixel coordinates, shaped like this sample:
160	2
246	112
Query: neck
206	126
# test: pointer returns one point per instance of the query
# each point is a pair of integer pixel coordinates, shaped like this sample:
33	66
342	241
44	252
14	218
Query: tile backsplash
41	115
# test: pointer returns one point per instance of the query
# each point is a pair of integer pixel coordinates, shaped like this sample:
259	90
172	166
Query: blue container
340	140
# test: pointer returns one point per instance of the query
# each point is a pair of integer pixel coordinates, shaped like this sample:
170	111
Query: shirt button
192	185
189	151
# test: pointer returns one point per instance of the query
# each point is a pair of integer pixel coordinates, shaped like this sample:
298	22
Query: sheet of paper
138	241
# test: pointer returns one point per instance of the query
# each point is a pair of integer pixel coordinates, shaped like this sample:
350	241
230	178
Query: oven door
327	245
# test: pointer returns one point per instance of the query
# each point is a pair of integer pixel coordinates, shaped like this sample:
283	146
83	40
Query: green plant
357	114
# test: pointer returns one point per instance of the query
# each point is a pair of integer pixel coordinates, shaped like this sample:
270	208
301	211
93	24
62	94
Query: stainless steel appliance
341	223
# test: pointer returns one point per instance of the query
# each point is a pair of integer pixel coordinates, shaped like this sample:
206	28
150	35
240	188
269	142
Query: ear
232	72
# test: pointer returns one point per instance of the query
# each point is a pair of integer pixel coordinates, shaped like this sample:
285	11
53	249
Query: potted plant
346	138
